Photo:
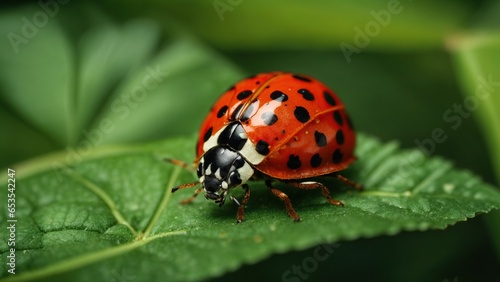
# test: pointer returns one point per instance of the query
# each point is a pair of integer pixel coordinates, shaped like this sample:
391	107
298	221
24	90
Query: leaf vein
102	195
163	203
89	258
440	171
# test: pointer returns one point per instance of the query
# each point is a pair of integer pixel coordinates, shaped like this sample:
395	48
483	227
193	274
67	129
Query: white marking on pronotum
246	171
250	154
248	151
243	135
217	173
224	185
212	141
208	171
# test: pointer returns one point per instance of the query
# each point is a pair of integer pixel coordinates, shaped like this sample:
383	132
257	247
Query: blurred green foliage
400	79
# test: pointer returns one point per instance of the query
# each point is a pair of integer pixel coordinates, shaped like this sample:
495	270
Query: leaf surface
112	215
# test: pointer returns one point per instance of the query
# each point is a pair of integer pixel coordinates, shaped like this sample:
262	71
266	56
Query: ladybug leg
191	199
351	183
308	185
188	185
241	207
186	166
288	204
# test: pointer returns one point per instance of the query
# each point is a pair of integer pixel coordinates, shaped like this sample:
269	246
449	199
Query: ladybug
272	126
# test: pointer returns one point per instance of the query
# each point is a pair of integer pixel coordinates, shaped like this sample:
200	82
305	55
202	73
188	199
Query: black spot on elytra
262	147
257	82
316	160
244	94
340	137
299	77
301	114
337	156
236	112
306	94
222	111
279	96
338	118
329	99
320	138
293	162
248	112
207	135
269	118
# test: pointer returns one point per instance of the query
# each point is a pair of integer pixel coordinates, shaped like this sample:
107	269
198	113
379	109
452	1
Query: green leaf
112	216
322	24
37	85
108	53
477	57
99	82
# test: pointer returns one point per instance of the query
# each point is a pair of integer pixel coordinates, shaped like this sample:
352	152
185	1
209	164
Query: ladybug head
220	169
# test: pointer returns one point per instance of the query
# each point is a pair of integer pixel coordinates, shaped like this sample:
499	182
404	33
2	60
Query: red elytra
273	126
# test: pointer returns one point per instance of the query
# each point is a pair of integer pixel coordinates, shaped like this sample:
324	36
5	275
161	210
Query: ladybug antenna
188	185
183	186
179	163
